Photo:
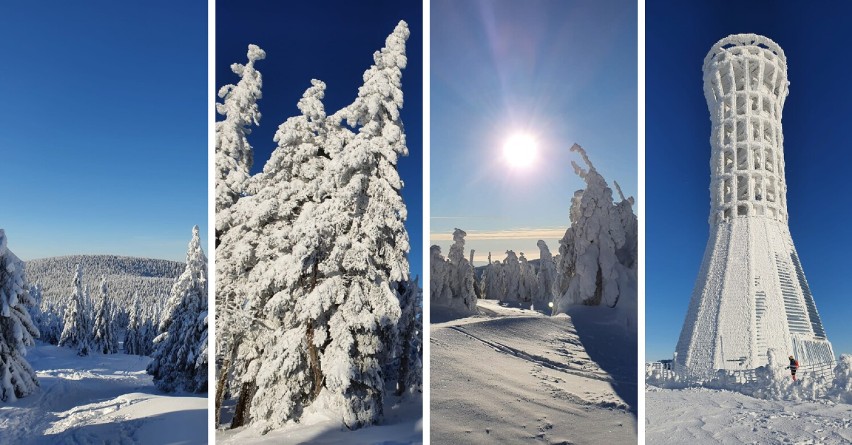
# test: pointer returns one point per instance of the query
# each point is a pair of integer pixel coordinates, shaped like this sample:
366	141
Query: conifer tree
233	151
17	331
77	330
179	357
103	338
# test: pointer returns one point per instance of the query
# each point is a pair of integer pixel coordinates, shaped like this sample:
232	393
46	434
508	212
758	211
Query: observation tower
751	294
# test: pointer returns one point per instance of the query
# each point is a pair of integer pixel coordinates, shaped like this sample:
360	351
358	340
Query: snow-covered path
700	415
512	376
99	399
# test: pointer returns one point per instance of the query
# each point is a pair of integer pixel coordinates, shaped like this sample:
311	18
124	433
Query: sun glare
520	150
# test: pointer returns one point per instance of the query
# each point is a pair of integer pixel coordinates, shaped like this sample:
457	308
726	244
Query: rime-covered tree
352	248
528	283
103	337
494	280
461	278
17	331
134	336
597	265
233	152
314	257
546	276
409	367
511	277
440	292
256	259
77	330
179	359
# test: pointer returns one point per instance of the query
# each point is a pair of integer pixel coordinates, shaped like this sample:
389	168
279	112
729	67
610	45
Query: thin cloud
513	234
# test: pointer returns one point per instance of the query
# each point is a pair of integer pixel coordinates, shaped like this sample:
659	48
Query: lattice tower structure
751	294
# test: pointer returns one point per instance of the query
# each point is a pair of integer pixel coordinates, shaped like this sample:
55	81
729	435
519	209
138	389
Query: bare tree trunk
220	389
402	381
242	412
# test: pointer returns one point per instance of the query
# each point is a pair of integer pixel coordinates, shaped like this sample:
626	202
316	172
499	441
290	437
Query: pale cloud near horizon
543	233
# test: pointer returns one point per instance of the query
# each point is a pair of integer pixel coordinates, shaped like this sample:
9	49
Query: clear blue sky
677	171
332	41
562	71
103	127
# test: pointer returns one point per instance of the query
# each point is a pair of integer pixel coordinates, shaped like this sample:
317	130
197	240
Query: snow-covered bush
180	350
17	331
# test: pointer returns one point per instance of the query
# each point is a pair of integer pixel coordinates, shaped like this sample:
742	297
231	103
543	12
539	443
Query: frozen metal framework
751	294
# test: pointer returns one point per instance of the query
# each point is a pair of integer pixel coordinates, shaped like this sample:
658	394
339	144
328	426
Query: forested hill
151	279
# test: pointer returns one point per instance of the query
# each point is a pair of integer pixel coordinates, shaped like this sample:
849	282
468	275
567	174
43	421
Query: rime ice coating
751	295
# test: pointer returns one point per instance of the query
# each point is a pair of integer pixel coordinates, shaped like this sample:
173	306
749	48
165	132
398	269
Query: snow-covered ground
700	415
402	425
516	376
100	399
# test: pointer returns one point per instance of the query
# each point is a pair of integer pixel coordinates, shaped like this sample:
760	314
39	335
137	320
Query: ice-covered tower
751	294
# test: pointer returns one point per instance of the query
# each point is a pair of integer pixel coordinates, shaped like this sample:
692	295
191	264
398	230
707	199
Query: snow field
99	399
701	415
515	376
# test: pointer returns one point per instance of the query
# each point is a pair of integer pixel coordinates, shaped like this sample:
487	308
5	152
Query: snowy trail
99	399
699	415
513	375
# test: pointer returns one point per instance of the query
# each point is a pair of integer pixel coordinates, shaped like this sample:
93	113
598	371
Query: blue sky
103	127
677	173
561	71
334	42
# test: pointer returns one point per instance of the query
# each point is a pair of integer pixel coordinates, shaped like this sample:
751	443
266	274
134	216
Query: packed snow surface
513	375
402	425
700	415
99	399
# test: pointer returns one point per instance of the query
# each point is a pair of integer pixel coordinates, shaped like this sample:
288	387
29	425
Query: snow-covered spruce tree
440	292
461	276
77	330
546	276
256	261
511	277
409	367
50	323
494	289
183	330
17	331
352	247
134	338
233	153
592	272
103	337
528	285
315	270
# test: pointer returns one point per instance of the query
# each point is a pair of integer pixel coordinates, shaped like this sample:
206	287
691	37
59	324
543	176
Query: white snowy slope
402	425
99	399
512	375
700	415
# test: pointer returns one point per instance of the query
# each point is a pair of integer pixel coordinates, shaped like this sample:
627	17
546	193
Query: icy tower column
751	294
745	84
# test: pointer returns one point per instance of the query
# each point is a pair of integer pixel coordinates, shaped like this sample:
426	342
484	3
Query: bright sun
520	150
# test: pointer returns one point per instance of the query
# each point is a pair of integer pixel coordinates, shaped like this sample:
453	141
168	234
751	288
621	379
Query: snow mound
769	382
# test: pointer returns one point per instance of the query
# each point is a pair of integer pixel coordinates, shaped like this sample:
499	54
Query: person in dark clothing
794	365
